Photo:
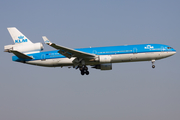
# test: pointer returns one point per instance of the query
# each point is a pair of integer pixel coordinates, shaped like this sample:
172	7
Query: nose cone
174	52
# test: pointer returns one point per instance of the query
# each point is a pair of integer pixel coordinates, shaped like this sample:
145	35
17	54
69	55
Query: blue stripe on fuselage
110	50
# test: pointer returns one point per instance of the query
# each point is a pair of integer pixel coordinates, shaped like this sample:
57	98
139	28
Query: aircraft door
162	49
95	52
133	56
134	50
43	57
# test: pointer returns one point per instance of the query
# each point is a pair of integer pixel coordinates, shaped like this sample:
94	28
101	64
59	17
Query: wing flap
68	52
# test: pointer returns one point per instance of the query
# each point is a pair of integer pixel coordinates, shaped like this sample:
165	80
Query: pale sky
131	91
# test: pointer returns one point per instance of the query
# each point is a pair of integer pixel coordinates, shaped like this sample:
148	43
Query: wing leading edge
68	52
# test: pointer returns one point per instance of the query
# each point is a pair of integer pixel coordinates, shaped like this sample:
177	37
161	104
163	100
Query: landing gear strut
84	70
153	66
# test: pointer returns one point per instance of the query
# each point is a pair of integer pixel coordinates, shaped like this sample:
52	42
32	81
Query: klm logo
148	47
21	40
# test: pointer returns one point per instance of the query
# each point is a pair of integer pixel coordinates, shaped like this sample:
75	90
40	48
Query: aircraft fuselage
113	54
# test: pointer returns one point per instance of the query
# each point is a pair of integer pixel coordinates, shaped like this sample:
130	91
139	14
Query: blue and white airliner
98	57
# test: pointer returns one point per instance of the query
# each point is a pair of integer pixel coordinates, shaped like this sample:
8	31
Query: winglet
46	40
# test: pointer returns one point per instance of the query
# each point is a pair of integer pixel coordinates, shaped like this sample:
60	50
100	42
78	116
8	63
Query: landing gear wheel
87	72
85	68
82	72
81	68
153	66
153	61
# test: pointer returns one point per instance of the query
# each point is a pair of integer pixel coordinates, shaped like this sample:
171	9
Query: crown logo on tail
21	40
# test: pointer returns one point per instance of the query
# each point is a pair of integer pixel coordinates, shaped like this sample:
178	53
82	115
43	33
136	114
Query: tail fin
18	37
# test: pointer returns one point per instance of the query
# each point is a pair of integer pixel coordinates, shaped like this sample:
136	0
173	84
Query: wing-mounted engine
107	66
24	48
103	59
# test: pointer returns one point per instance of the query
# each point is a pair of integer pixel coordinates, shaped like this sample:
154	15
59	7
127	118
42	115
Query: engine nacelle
24	48
107	66
103	59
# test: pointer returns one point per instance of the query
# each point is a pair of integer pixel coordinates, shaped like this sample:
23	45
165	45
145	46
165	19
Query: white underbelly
52	62
139	57
114	59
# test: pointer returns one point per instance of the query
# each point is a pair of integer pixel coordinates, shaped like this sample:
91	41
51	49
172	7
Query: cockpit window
169	48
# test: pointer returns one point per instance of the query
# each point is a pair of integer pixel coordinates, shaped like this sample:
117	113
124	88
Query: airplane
97	57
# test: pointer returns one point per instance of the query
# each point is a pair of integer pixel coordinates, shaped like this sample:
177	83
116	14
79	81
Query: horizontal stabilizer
20	55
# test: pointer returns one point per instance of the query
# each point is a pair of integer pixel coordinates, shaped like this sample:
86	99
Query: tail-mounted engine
24	48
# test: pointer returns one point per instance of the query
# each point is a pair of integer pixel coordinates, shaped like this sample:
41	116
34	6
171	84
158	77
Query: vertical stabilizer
18	37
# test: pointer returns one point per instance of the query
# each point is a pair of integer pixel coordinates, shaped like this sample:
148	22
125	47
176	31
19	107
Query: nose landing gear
84	70
153	61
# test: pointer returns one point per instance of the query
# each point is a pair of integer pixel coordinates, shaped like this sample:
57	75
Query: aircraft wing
20	55
68	52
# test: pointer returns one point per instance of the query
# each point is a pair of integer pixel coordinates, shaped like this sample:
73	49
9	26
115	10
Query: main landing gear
153	61
84	70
